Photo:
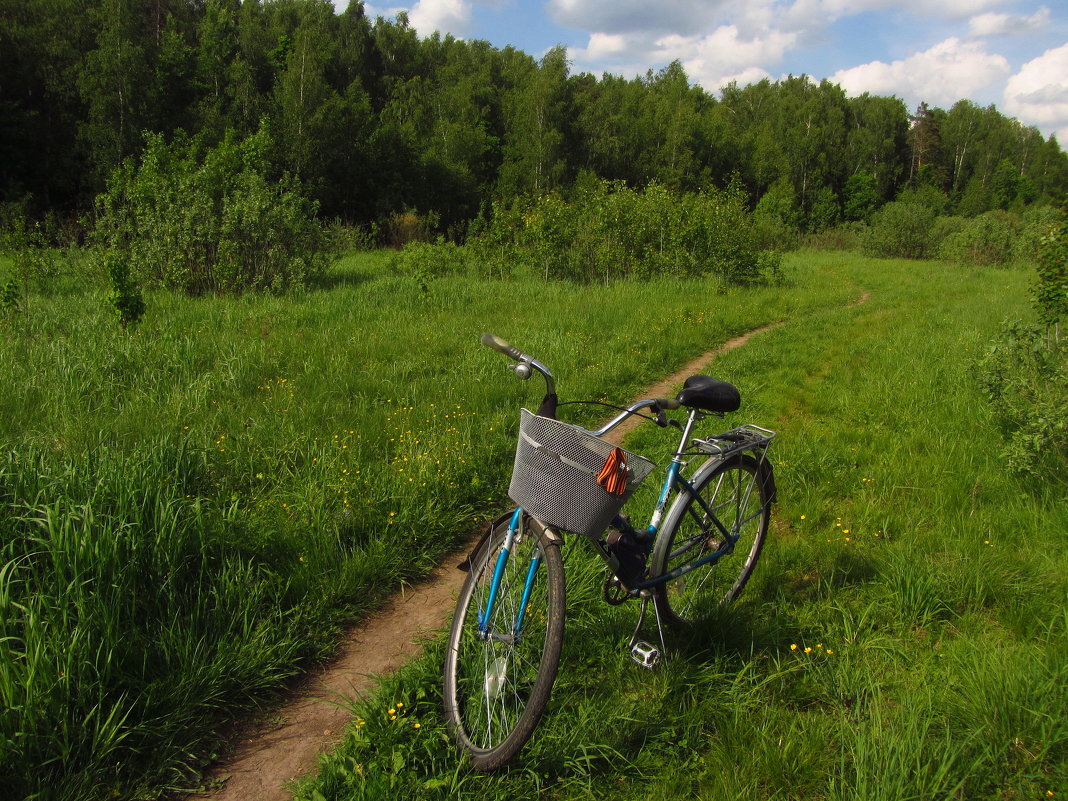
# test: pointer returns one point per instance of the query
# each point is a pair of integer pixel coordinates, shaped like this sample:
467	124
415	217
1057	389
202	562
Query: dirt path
267	756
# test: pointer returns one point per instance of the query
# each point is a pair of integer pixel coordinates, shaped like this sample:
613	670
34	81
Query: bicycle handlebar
509	350
548	404
548	407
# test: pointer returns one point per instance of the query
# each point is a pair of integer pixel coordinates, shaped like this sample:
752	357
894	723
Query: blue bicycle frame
674	483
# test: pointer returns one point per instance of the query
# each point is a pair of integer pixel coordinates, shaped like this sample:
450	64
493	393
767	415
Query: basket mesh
555	475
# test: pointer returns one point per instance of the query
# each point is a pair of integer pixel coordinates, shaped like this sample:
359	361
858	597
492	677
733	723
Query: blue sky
1012	53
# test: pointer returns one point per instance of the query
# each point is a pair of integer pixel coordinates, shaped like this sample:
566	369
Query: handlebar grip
667	404
495	342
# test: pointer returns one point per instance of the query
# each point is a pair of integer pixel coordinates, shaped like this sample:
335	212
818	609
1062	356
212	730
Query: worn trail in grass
283	745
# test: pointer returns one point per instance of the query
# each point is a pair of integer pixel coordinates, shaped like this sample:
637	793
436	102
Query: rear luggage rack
738	440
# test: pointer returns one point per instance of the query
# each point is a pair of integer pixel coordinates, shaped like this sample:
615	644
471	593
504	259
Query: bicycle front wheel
500	668
736	493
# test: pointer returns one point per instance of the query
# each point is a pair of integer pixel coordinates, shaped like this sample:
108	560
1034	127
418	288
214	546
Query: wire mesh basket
555	475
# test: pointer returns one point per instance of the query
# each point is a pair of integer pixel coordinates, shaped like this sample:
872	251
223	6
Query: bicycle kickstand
646	655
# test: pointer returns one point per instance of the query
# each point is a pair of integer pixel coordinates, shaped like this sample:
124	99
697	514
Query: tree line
375	121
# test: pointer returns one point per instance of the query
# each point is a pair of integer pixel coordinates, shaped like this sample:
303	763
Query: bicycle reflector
613	476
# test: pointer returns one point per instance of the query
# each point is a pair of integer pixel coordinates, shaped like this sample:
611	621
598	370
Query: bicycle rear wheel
499	671
737	492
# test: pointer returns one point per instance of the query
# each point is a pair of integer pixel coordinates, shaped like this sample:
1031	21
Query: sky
1010	53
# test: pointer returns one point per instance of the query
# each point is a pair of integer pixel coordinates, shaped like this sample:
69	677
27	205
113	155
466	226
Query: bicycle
505	640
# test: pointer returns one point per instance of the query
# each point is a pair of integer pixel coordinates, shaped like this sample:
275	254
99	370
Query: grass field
189	511
905	635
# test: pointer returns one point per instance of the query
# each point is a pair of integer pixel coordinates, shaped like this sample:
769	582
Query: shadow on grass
338	278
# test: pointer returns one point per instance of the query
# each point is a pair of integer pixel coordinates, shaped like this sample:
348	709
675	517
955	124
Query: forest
374	121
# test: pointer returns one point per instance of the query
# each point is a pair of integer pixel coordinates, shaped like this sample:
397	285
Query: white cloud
374	11
942	75
1038	93
712	59
632	16
992	24
606	46
955	9
447	16
724	55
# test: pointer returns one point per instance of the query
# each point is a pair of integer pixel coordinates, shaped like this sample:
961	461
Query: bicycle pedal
645	655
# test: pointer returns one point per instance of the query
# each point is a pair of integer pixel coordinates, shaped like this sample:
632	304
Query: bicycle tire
738	490
495	689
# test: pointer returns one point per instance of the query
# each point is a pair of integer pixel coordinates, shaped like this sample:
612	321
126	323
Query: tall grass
904	636
190	510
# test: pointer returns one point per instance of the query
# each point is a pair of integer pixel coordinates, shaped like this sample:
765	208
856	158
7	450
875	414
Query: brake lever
664	421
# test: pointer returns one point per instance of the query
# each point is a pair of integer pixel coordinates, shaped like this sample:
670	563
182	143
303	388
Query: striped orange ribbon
613	476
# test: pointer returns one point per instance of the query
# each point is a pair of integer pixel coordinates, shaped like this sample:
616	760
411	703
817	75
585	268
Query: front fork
484	618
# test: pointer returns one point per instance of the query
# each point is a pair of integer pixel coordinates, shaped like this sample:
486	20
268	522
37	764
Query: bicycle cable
611	406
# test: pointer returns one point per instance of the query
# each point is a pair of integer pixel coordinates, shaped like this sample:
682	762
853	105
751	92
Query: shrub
849	236
340	238
407	226
28	246
860	197
987	239
1025	375
609	231
10	296
210	219
901	229
1051	291
925	195
771	233
1025	372
423	261
123	294
1038	222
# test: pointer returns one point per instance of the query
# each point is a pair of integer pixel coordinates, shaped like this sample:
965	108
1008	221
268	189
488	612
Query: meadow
905	635
191	509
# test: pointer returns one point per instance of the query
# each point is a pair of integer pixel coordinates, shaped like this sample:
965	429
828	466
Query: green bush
901	229
423	261
1037	223
925	195
609	231
1025	372
29	246
1025	375
342	238
123	294
771	233
987	239
1051	291
848	236
210	219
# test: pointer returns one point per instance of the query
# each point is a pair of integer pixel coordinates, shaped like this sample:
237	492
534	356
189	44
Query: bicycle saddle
709	394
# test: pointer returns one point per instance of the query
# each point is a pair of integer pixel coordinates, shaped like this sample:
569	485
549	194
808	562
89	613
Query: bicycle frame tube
672	477
729	538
